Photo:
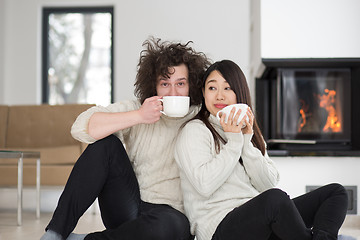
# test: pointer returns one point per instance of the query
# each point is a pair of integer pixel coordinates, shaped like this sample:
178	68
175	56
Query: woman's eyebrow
210	81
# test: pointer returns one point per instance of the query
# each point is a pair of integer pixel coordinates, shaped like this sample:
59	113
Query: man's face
176	85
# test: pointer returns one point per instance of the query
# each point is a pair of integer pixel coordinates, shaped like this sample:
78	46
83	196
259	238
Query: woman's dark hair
157	59
237	81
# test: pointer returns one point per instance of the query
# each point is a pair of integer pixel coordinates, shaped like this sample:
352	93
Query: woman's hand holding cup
229	124
248	129
236	118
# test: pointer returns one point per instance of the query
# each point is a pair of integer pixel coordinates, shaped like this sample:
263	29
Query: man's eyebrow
163	79
168	79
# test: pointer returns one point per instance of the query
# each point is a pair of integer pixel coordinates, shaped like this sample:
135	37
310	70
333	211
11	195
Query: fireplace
310	106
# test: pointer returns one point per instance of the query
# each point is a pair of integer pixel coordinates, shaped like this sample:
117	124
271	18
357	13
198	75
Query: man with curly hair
129	163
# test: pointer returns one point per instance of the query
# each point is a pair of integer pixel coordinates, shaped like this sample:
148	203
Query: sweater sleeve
198	161
79	129
260	168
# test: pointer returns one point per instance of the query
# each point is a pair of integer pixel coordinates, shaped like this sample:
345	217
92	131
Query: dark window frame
46	11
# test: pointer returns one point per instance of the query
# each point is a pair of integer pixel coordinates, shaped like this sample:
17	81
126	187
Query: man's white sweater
213	184
150	148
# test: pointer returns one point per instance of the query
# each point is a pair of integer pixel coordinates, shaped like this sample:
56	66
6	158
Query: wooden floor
33	229
351	227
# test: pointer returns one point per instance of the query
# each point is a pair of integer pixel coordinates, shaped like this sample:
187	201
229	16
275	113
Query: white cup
175	106
238	106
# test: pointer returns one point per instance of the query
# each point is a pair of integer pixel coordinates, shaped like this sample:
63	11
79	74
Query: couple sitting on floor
184	176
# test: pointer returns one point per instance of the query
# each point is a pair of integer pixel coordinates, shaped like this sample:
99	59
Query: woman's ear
203	91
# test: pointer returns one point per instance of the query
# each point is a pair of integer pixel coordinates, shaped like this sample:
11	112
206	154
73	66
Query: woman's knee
338	189
276	199
275	195
338	192
333	190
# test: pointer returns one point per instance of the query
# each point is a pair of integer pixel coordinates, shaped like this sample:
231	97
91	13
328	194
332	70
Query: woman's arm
261	169
196	157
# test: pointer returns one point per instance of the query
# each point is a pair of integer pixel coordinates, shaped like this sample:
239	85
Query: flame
327	102
303	115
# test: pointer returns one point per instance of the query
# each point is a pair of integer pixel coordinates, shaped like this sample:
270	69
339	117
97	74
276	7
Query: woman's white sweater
150	148
213	184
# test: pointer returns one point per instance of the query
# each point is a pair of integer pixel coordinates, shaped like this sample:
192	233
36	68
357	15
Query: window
77	55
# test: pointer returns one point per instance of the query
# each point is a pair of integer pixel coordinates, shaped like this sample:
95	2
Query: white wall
2	29
255	40
297	172
219	30
310	29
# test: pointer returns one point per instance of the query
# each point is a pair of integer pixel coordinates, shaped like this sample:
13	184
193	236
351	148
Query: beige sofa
42	128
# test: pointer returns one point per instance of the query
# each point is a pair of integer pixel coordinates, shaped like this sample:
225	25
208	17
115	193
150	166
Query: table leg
20	190
38	188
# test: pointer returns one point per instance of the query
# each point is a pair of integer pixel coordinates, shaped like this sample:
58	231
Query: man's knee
172	224
107	148
107	141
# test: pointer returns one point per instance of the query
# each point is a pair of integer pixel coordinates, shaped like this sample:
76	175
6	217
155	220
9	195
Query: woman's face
217	93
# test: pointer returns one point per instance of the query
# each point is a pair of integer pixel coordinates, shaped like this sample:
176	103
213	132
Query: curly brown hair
156	59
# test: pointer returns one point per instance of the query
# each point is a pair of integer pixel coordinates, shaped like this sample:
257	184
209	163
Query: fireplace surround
310	106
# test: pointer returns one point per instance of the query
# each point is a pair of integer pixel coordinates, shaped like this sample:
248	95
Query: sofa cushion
3	124
41	126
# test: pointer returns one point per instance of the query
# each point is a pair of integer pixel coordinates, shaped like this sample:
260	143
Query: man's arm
102	124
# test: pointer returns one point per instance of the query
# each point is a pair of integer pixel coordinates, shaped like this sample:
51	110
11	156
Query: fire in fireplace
307	104
329	101
332	117
312	104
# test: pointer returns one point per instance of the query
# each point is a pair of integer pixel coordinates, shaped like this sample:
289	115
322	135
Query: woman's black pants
104	171
273	215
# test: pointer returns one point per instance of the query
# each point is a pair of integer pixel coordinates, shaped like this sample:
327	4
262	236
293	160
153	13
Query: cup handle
162	102
218	115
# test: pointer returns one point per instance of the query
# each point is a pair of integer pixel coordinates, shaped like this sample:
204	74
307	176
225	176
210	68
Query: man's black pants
104	171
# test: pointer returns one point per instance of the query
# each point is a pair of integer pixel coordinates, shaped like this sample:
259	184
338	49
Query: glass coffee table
20	155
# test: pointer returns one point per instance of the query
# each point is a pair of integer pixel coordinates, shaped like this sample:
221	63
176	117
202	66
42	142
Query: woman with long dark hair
228	180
